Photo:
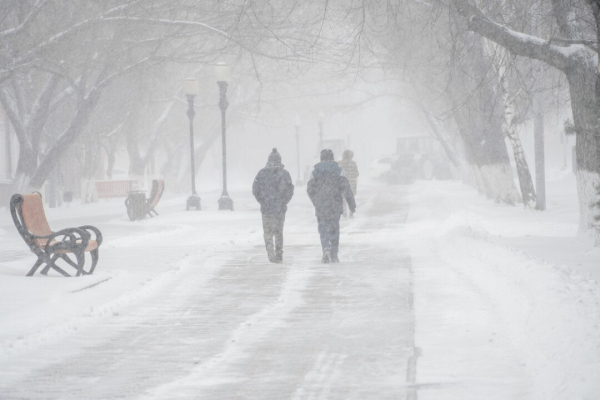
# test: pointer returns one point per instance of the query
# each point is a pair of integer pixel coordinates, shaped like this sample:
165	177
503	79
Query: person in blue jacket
327	188
273	189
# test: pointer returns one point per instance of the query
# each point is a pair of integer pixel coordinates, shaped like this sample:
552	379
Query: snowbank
498	314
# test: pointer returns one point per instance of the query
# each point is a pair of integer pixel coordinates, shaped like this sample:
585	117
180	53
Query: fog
154	245
102	86
370	131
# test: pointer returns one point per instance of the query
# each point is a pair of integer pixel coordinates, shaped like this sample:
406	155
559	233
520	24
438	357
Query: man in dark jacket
273	189
327	188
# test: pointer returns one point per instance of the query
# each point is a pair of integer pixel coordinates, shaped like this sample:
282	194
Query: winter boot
271	253
326	256
335	259
278	257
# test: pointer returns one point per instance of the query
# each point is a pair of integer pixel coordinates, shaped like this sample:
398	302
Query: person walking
350	169
273	189
327	188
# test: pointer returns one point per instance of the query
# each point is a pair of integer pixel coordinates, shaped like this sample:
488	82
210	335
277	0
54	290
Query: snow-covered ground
507	301
441	294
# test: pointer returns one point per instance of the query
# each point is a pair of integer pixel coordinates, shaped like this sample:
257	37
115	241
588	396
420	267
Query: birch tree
502	63
571	54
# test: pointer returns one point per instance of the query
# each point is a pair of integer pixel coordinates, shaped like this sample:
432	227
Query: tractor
417	157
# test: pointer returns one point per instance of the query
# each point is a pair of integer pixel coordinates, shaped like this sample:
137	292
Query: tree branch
13	31
516	42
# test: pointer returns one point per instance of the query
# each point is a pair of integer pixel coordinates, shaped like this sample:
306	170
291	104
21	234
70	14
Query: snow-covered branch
105	80
516	42
160	122
525	45
10	108
28	19
154	21
587	42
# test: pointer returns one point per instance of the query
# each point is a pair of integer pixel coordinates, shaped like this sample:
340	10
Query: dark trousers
273	229
329	230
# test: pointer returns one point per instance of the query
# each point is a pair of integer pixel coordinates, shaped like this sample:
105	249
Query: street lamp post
191	89
321	119
297	124
222	75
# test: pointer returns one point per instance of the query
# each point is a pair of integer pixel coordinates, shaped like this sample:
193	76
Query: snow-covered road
221	322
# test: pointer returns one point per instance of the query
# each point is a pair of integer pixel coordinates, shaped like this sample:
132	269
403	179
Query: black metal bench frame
50	246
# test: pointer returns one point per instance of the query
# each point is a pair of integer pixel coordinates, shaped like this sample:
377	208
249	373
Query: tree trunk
26	166
140	156
501	62
486	153
442	136
540	163
585	119
137	166
525	182
7	148
62	145
111	158
480	125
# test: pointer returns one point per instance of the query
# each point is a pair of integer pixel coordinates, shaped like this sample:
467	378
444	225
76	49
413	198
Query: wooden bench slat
108	189
35	217
158	187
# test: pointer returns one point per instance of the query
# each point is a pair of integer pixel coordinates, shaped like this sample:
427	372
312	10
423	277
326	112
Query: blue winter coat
327	188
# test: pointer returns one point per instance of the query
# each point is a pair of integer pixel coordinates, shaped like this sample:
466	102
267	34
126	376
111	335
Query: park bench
158	187
107	189
67	245
138	206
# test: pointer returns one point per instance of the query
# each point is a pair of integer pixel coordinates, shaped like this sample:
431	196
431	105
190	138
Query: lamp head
222	72
191	86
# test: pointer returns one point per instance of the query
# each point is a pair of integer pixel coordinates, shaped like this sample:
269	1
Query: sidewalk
187	306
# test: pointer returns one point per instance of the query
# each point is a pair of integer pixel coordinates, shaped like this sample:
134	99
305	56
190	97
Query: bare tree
571	54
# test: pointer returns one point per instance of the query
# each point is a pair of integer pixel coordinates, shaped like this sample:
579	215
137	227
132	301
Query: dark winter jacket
327	188
273	189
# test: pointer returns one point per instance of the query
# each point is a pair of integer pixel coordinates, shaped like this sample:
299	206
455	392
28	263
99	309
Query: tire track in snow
317	383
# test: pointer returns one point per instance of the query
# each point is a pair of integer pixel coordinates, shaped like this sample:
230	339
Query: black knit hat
275	157
327	155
